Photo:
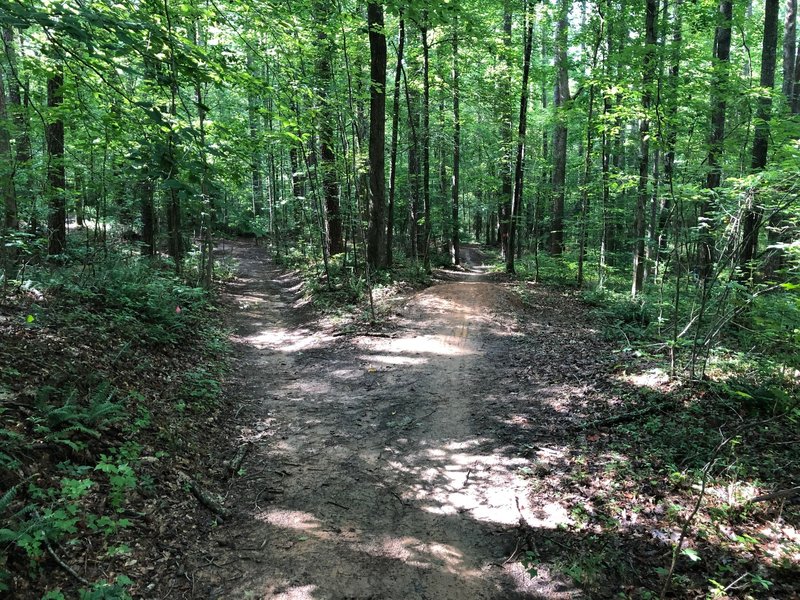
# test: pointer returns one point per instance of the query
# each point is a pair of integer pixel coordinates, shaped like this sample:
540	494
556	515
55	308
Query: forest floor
427	457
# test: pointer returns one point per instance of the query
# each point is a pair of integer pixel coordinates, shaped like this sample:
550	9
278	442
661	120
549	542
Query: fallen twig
236	462
55	556
417	420
62	564
782	494
205	497
628	416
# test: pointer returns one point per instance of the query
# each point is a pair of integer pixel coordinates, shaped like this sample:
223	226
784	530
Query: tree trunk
789	49
722	51
17	105
414	172
587	160
54	133
796	87
519	173
426	139
401	41
255	144
754	213
7	165
454	237
376	243
146	190
671	134
330	183
506	139
644	148
560	99
170	160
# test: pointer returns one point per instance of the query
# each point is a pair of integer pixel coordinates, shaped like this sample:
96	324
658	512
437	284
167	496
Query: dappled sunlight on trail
369	475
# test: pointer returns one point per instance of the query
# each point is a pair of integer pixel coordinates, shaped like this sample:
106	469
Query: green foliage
129	300
121	479
620	313
60	418
77	421
200	389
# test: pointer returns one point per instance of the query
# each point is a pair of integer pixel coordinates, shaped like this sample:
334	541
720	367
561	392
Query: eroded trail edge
392	466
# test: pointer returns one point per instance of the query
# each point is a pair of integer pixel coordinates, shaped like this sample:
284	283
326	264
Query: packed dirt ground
432	456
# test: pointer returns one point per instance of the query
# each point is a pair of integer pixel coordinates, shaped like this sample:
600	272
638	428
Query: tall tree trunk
722	52
7	165
54	133
754	213
256	179
778	229
426	141
560	99
330	183
454	237
519	172
671	134
506	138
789	49
170	160
796	87
587	160
639	258
376	243
207	213
401	41
414	172
17	104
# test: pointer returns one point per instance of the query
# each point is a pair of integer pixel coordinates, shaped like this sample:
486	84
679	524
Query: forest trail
381	466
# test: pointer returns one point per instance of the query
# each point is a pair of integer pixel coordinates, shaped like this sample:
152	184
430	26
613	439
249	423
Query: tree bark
587	160
796	87
330	183
414	172
722	51
256	179
754	213
789	49
671	135
7	165
506	139
519	172
426	139
639	258
454	236
401	41
56	177
376	242
560	99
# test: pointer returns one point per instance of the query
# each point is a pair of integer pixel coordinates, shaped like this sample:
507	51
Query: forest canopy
640	158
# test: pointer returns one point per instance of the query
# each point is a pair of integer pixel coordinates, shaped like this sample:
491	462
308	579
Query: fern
7	498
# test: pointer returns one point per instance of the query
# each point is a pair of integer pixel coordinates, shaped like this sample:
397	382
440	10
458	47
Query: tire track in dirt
370	475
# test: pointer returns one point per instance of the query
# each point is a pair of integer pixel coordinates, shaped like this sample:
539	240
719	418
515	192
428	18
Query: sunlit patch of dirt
425	458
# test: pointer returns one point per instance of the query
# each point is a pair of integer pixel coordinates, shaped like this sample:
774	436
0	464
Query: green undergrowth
719	436
344	289
102	365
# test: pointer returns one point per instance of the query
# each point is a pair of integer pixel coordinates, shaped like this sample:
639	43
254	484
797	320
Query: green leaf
691	554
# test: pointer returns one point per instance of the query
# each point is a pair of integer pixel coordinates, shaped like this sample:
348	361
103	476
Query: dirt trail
380	467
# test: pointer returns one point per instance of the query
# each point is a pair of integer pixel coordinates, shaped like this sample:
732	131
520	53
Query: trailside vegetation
644	154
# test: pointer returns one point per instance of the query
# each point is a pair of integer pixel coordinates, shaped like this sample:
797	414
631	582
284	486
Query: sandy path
373	473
